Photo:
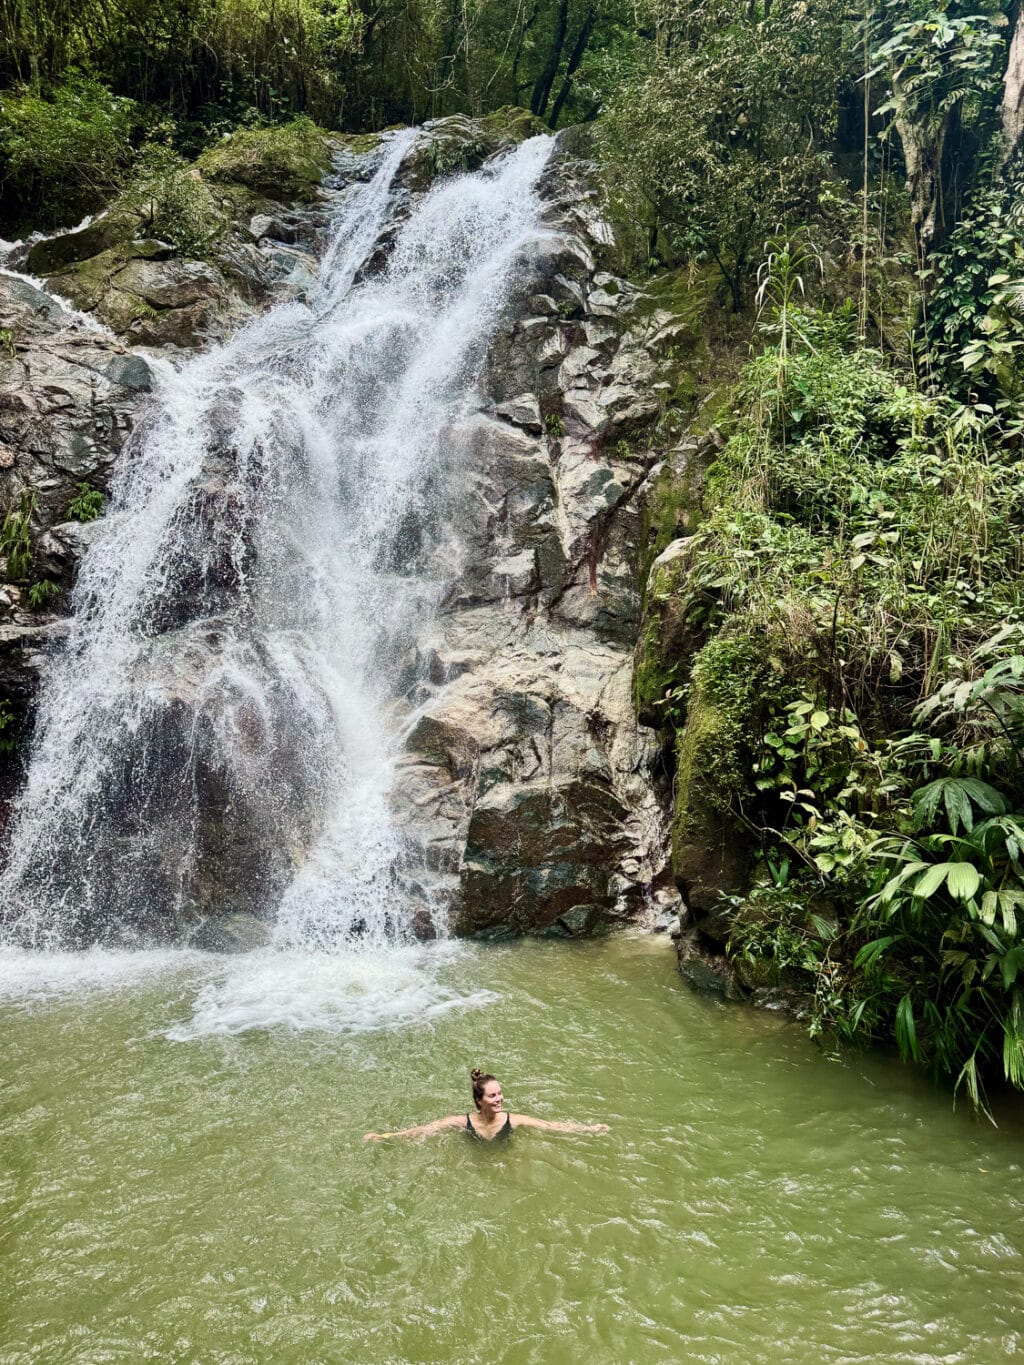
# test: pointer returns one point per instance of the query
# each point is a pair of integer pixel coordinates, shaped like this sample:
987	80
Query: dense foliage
866	539
107	75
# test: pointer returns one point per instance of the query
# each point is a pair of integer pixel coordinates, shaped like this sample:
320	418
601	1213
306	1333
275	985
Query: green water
183	1177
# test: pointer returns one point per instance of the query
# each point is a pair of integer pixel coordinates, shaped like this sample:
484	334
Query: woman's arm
421	1129
525	1121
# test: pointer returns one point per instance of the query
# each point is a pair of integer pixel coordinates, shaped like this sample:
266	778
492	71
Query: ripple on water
184	1175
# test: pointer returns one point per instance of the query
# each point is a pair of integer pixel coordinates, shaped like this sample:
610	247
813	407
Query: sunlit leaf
963	880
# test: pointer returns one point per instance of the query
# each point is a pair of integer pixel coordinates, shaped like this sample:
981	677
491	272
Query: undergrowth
864	537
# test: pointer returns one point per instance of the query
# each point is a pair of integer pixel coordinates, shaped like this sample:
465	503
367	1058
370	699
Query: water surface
184	1177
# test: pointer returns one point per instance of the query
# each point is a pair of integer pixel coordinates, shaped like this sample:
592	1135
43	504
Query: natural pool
183	1176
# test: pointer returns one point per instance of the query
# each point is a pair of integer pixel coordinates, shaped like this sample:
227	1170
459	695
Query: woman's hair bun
479	1079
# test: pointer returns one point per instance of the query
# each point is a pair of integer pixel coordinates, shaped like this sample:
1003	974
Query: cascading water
213	734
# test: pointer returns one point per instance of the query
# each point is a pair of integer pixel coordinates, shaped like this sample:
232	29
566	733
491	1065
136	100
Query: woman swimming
491	1119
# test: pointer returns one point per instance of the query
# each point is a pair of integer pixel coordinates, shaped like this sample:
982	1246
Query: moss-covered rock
287	160
663	653
357	144
57	253
669	636
511	124
711	857
139	291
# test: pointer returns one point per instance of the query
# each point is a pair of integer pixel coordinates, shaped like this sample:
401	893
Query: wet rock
53	254
130	372
24	645
68	397
706	972
233	933
274	226
59	550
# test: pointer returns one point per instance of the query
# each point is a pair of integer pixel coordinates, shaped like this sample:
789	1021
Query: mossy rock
715	409
456	144
358	144
711	857
287	160
672	507
513	125
684	293
668	639
85	282
57	253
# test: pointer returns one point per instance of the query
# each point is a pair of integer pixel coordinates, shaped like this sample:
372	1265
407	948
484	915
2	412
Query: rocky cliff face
526	778
526	785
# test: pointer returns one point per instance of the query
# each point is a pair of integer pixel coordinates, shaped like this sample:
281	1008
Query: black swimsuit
505	1132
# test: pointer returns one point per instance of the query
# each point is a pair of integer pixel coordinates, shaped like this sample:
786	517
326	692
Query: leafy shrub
39	594
942	954
15	538
87	503
975	328
8	728
175	204
867	536
65	151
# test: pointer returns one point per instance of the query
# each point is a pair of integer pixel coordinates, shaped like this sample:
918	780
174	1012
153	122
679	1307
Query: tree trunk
922	156
546	79
1013	92
575	57
524	29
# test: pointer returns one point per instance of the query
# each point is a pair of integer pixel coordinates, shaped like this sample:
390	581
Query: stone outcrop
527	782
526	786
68	394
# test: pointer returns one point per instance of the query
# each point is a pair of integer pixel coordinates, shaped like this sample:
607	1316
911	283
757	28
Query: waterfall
214	732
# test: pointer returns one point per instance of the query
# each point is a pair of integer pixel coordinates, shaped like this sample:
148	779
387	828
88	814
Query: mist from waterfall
213	733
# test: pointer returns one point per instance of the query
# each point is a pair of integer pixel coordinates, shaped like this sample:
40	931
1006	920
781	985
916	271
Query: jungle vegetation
841	188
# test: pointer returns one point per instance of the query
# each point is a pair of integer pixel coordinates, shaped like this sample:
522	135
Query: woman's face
491	1100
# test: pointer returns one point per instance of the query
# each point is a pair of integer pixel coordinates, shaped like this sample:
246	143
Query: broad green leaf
984	796
969	1077
929	882
826	929
1009	968
958	807
873	950
963	880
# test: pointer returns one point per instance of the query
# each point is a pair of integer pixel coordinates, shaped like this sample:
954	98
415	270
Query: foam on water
345	992
33	978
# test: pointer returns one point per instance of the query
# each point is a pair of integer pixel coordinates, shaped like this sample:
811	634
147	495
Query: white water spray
213	734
